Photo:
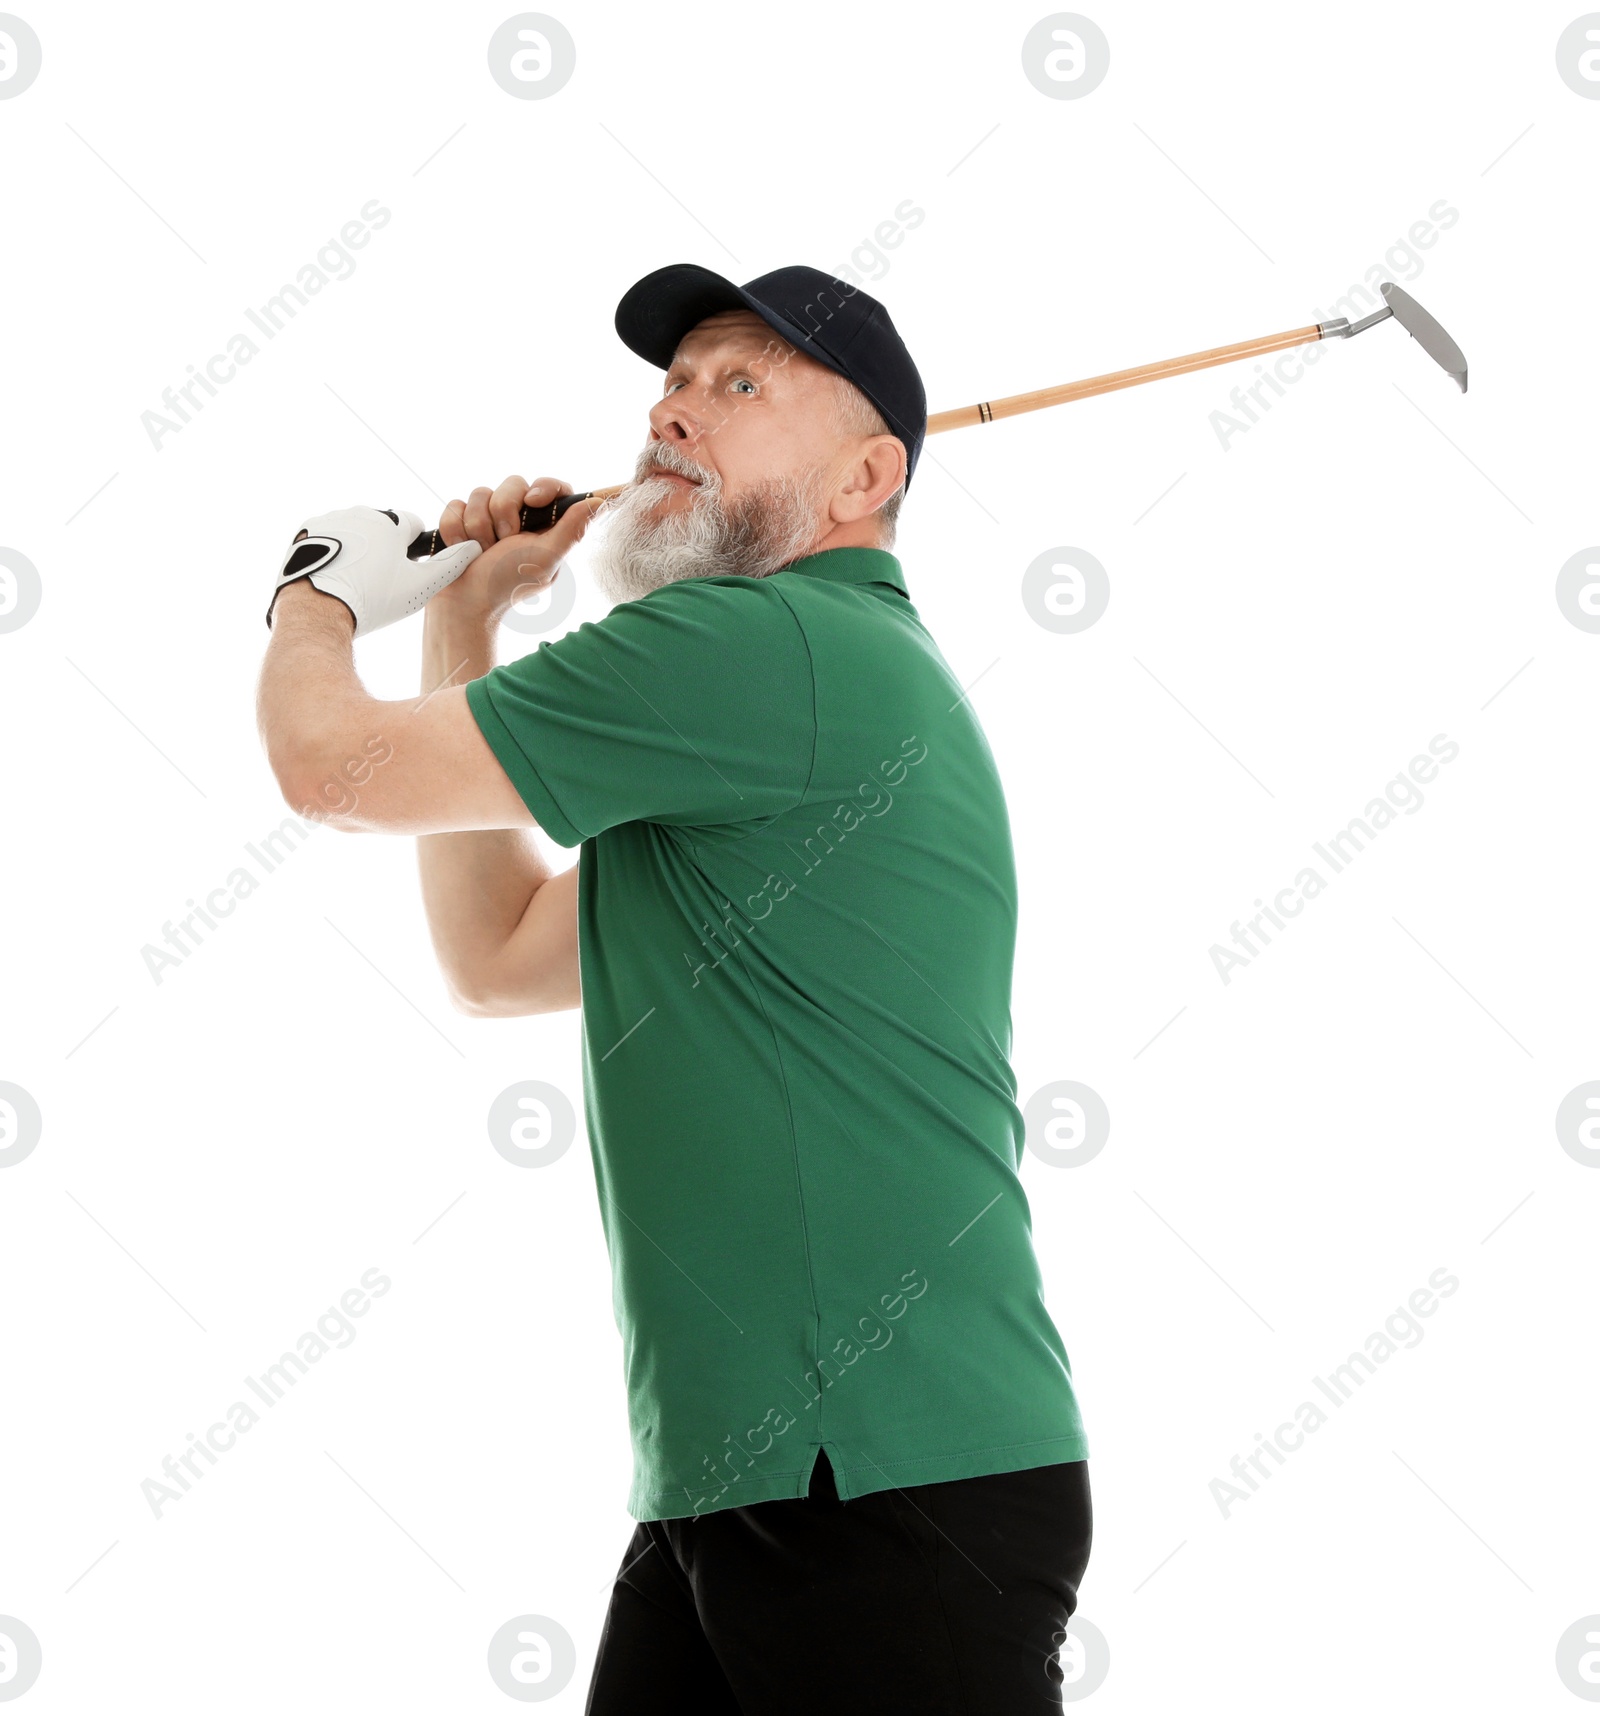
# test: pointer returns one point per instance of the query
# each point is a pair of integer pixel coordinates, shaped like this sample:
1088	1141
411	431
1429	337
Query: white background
1371	1099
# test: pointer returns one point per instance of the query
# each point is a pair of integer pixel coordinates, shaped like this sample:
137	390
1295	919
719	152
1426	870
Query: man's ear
877	471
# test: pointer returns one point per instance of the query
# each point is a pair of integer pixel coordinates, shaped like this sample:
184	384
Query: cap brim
656	312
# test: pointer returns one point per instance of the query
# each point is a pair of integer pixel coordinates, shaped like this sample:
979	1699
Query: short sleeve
693	705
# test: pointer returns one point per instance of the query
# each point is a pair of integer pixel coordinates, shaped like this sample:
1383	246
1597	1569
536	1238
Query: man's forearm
479	887
309	695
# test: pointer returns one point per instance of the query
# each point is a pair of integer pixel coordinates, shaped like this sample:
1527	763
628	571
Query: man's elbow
339	797
311	796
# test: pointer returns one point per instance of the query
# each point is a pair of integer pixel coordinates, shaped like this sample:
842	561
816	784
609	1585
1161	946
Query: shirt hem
863	1480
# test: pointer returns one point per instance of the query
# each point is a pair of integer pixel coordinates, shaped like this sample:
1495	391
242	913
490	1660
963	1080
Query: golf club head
1426	332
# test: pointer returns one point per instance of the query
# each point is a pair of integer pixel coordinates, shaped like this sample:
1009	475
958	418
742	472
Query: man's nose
674	418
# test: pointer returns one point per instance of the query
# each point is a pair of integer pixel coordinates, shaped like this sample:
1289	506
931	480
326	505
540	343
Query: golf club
1401	305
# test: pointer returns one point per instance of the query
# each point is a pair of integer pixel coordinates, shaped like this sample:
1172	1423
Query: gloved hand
359	555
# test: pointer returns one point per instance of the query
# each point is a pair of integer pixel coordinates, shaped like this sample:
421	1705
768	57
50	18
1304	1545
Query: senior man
860	1475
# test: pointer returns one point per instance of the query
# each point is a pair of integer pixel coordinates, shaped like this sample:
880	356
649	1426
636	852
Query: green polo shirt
797	916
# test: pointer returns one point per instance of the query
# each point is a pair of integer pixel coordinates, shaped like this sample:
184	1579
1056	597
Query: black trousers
936	1600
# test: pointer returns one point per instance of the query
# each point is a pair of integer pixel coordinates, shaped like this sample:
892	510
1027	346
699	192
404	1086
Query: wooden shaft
966	415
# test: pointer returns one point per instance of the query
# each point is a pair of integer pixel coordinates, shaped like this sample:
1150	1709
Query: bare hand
514	564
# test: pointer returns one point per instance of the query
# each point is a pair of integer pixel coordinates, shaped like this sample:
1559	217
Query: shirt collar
853	566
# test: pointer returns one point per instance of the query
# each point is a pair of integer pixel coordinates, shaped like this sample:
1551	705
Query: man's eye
742	381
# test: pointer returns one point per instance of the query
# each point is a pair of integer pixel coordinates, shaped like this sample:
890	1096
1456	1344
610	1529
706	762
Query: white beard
759	534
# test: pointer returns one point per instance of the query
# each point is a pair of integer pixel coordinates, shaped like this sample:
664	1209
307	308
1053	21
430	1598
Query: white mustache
665	458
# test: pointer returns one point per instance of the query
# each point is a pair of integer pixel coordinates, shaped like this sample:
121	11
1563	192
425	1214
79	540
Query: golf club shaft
536	519
965	416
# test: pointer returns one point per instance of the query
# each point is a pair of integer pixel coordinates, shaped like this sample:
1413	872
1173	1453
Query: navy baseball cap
839	325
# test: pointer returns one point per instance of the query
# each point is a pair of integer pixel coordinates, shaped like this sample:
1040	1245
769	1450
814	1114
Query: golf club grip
534	520
538	518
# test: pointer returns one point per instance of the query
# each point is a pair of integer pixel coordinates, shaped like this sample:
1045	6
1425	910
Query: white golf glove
359	555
